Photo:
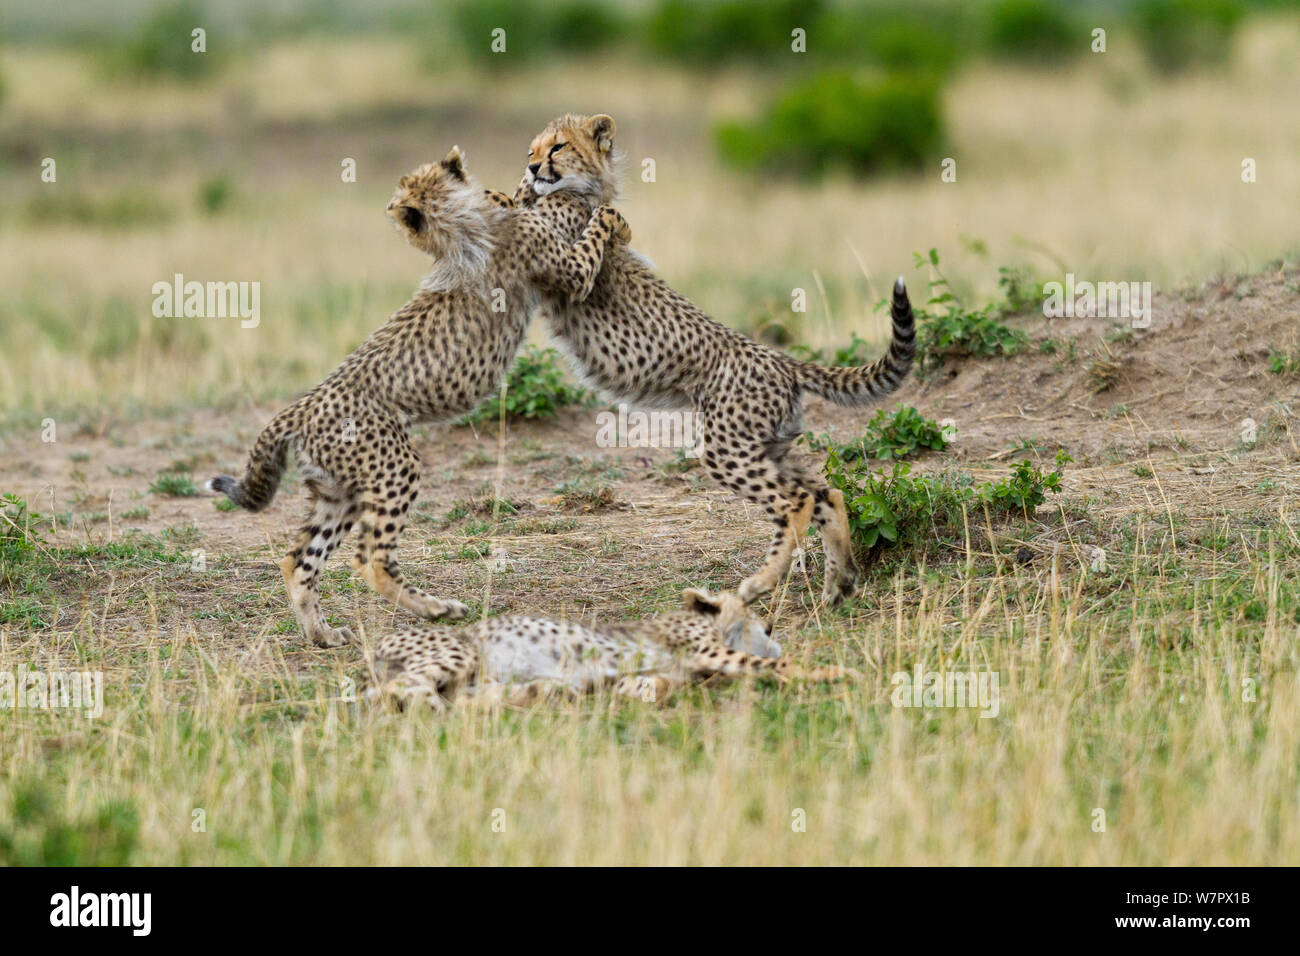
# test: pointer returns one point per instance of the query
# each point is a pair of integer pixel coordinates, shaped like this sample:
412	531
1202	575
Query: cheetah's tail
266	462
858	386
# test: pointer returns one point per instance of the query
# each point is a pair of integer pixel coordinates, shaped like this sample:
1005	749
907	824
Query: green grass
174	485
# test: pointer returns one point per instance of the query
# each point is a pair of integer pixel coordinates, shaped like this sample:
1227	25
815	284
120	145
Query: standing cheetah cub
438	356
517	659
636	338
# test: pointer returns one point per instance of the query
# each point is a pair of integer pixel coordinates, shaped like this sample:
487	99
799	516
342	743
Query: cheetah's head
741	628
574	153
442	211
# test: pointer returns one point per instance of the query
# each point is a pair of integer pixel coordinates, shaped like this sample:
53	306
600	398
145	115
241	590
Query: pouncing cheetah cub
636	338
436	359
516	659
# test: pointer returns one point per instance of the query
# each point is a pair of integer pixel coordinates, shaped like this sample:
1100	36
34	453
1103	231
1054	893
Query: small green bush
536	388
1178	35
214	195
174	485
1283	363
956	330
1025	489
916	512
895	435
163	45
1035	30
836	120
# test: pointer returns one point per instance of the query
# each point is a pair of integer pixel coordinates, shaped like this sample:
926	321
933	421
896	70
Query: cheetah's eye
556	148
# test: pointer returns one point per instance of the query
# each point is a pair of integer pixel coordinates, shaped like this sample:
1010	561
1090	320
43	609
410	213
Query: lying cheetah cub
516	659
439	356
638	339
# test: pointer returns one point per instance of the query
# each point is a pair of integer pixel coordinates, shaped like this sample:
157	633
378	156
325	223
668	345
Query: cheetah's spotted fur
436	358
636	338
517	659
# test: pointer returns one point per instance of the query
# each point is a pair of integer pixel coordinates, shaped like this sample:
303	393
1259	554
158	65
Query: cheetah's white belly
521	651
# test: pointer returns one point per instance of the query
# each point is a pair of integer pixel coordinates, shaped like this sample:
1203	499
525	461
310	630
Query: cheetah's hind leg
333	512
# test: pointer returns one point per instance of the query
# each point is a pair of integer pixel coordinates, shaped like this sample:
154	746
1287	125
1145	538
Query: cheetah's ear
601	128
454	163
699	601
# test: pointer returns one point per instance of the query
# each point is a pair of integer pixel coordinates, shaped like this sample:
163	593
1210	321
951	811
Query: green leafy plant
535	388
915	511
1283	363
1025	488
947	328
889	436
1020	291
897	508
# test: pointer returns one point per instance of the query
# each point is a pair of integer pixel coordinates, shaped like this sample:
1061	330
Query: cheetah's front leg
573	268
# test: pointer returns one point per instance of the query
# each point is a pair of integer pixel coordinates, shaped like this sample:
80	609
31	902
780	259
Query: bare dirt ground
1154	419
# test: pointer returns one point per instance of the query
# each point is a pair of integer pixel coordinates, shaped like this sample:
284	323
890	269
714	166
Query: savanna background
1136	594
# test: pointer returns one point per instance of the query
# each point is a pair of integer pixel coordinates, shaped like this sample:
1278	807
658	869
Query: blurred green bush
1180	34
1034	30
711	33
215	194
534	29
907	38
163	45
836	120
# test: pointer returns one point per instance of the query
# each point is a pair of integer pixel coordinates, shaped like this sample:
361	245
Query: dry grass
1108	701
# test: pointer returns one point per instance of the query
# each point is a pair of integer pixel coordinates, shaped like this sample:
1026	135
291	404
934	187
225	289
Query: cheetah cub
436	359
517	659
636	338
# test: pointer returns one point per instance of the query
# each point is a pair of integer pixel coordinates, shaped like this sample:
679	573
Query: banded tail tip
220	485
900	287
